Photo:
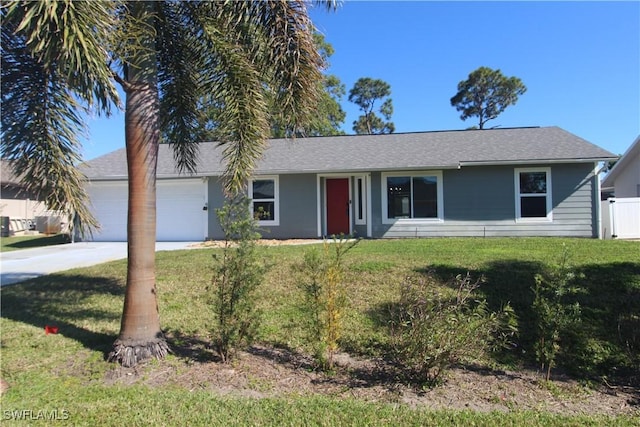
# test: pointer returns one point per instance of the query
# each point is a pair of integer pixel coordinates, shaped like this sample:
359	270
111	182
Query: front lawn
67	371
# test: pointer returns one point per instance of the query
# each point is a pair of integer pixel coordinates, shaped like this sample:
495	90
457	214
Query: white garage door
179	210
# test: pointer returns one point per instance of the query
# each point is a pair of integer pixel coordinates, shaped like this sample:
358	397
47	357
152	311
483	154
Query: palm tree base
129	353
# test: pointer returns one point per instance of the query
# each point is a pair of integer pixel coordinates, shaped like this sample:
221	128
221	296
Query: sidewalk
17	266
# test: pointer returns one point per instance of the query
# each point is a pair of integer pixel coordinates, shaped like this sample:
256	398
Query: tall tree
365	93
172	59
485	94
329	116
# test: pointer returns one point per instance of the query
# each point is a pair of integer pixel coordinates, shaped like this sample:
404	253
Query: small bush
434	327
321	274
554	312
237	273
629	336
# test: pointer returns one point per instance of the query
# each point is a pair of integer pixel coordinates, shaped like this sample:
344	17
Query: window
533	194
412	196
360	200
263	193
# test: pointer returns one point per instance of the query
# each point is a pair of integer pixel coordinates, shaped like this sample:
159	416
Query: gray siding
298	211
216	200
480	201
298	208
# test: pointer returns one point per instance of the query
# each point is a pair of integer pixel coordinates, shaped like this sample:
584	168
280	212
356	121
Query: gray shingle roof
401	151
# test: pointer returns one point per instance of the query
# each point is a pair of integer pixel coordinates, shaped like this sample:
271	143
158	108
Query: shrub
553	310
629	336
433	327
321	275
237	273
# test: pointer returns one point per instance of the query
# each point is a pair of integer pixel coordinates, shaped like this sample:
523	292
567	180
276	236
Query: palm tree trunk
140	335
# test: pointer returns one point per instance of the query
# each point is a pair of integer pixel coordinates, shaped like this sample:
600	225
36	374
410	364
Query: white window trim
548	195
363	197
439	187
276	199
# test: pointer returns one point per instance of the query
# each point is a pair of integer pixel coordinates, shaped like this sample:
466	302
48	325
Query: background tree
365	93
330	116
485	94
60	58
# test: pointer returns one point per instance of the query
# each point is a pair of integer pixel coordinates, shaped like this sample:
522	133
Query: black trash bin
4	221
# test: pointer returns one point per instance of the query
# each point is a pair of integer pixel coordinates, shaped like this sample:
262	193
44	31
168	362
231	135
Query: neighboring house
499	182
621	213
16	203
623	180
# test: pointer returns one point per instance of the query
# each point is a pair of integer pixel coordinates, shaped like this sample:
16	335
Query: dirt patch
264	372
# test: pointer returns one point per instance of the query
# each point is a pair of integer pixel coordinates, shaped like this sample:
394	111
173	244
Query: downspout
319	204
597	196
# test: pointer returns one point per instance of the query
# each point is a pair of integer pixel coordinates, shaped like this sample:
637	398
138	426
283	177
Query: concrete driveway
16	266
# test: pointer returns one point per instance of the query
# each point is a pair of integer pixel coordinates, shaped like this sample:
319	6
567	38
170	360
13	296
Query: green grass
66	371
15	243
139	406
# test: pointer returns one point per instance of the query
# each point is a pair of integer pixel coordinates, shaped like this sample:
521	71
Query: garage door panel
179	210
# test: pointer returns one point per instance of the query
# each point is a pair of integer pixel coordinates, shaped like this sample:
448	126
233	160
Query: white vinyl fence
621	218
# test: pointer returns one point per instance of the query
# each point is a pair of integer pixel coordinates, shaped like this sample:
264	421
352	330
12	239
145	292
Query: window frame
413	174
276	199
360	200
548	195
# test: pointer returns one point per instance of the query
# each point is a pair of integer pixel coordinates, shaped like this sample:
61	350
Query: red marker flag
50	329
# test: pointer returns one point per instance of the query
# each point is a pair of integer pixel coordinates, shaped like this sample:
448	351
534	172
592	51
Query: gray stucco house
534	181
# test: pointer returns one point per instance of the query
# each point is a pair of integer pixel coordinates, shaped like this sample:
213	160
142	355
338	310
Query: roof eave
532	161
354	170
622	162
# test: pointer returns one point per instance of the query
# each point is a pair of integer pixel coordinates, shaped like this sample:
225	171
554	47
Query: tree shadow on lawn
504	281
37	242
605	343
192	347
61	300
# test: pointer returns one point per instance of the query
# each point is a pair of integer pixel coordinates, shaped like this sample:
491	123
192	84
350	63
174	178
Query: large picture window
263	193
412	196
533	194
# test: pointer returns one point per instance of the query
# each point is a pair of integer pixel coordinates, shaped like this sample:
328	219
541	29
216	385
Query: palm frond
257	54
73	38
54	65
40	125
180	61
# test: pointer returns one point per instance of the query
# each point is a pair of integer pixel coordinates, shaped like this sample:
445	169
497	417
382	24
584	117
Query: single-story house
532	181
18	207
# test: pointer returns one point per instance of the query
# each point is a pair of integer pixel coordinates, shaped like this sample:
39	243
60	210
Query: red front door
338	206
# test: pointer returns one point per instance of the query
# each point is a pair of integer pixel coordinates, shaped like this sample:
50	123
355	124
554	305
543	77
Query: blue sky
580	62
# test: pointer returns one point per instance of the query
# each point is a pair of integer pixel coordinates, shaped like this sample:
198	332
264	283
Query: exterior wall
15	203
23	209
297	204
627	184
24	212
215	199
298	208
480	201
